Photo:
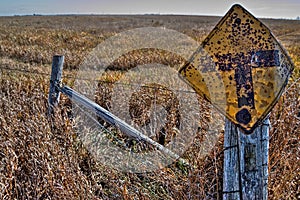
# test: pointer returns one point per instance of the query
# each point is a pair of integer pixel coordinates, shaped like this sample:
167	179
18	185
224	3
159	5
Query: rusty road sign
243	63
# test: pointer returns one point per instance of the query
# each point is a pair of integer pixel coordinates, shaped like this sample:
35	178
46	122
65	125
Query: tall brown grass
43	158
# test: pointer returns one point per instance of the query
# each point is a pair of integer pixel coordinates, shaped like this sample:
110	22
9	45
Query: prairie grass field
42	158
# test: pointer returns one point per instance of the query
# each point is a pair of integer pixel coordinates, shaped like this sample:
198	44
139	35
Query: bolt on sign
240	68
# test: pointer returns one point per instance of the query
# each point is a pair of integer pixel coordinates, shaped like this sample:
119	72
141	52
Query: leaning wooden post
56	75
246	163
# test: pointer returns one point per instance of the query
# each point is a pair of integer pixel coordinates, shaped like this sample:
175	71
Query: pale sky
288	9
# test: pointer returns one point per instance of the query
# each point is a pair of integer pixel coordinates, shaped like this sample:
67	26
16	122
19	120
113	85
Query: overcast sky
288	9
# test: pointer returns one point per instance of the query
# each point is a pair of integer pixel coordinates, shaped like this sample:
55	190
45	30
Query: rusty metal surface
240	68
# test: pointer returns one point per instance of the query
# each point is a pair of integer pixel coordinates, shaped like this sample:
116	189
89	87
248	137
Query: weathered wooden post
242	62
246	163
56	75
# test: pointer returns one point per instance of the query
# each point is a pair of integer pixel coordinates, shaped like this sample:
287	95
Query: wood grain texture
246	163
56	74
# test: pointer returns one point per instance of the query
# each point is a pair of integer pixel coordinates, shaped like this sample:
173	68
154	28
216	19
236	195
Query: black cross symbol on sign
228	57
242	63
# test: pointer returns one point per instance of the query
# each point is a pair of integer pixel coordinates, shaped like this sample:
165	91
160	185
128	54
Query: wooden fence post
246	163
56	74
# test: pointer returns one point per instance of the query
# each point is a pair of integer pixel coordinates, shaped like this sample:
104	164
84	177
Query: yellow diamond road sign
242	63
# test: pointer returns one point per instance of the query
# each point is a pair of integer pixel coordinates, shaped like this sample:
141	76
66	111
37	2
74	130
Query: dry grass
42	158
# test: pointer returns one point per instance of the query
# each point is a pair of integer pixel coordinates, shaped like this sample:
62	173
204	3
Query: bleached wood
56	75
53	99
115	121
246	163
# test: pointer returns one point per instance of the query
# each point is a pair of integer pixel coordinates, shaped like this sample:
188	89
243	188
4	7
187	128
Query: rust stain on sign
240	68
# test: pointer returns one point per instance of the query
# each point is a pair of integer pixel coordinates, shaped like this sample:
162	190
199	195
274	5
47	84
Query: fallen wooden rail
104	114
114	120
